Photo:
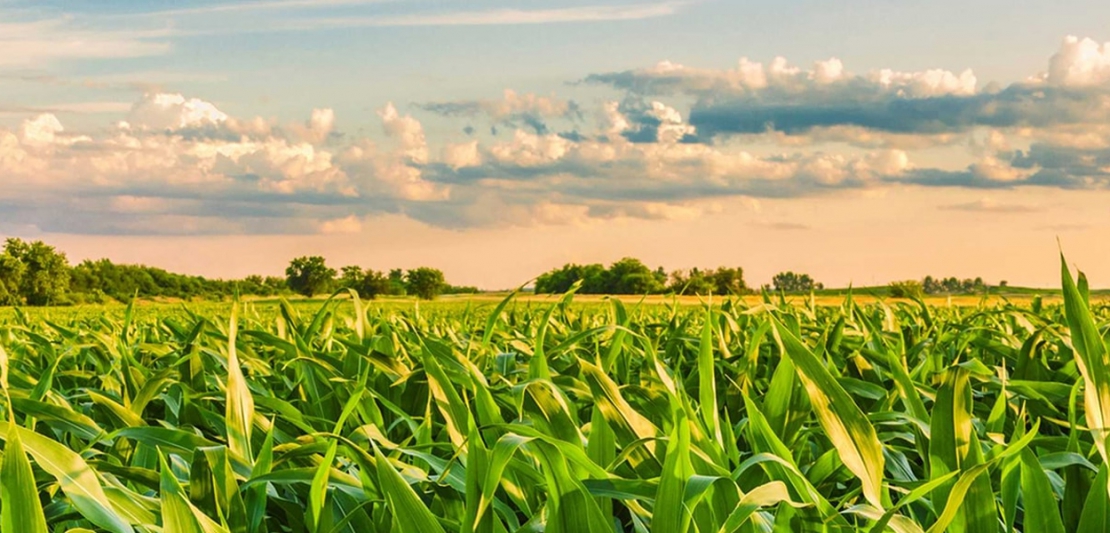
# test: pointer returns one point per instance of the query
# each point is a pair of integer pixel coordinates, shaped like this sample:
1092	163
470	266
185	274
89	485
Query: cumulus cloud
1080	62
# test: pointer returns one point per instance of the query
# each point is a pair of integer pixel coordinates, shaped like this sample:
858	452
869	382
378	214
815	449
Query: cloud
34	43
596	13
674	143
298	17
828	101
649	122
173	112
512	110
1080	62
254	7
988	205
180	164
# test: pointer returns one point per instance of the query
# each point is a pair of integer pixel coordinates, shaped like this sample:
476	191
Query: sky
860	142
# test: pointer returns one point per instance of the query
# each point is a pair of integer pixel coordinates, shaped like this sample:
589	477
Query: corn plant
518	417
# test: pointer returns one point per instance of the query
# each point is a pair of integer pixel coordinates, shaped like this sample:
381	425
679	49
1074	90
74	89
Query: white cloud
164	111
934	82
346	225
459	155
41	131
1080	63
527	149
407	130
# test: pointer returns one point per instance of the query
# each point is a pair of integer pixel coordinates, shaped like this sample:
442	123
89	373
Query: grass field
528	414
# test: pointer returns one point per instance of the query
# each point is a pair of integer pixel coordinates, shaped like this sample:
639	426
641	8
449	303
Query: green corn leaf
20	509
843	421
77	480
1042	513
240	403
1096	510
179	515
410	515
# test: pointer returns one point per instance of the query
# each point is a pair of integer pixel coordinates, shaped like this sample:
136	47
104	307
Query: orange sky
862	238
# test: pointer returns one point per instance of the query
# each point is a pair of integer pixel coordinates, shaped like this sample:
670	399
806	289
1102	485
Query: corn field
723	417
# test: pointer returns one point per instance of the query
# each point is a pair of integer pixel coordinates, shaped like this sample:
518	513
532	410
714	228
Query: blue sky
562	130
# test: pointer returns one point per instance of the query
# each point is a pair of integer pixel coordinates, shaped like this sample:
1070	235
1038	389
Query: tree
794	282
952	285
396	283
309	275
693	282
367	283
11	278
630	276
45	277
424	282
729	281
559	280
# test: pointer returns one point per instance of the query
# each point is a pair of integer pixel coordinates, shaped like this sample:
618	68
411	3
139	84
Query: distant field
477	302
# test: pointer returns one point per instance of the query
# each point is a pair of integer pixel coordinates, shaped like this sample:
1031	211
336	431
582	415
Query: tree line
930	285
37	274
632	276
311	275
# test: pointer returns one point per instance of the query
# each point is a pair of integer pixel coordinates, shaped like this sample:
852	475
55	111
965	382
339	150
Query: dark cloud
1017	106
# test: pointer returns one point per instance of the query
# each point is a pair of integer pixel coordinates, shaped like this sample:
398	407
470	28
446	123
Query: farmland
563	414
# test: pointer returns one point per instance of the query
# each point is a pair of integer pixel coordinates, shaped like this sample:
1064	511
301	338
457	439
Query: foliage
722	281
564	418
309	275
951	285
367	283
631	276
906	289
11	278
397	282
33	273
425	282
794	282
460	289
96	280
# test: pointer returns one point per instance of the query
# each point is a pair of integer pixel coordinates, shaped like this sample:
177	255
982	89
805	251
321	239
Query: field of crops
351	417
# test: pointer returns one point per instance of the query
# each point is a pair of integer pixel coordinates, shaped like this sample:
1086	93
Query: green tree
367	283
350	277
396	281
45	277
11	278
794	282
424	282
729	281
631	276
309	275
693	282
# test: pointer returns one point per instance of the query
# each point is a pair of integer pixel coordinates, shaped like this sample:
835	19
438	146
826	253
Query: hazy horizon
496	140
